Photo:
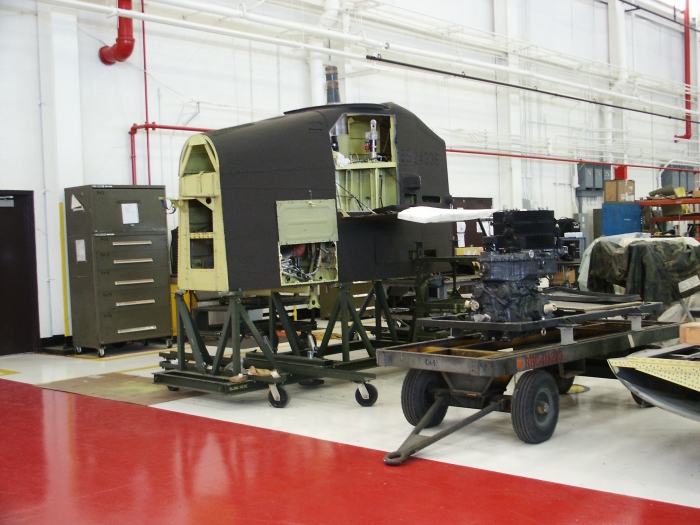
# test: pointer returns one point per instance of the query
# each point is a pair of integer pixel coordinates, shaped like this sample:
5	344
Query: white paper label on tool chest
80	250
688	284
130	213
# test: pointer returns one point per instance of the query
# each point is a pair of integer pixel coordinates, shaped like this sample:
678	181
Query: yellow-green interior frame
376	181
200	180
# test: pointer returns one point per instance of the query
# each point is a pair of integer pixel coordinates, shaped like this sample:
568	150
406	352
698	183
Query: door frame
30	239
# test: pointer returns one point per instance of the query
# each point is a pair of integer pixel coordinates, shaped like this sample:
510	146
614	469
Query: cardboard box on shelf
690	333
619	191
564	276
671	193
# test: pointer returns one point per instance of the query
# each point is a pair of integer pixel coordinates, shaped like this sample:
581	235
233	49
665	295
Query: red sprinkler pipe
122	49
686	44
562	159
134	129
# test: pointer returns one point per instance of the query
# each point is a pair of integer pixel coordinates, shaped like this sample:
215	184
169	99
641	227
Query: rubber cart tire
564	384
535	407
373	395
416	396
284	398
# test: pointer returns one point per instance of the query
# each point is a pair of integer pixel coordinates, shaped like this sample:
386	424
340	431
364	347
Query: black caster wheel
101	351
535	406
168	343
78	349
284	398
173	388
371	400
418	395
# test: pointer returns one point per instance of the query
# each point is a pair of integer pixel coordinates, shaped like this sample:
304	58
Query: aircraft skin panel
296	157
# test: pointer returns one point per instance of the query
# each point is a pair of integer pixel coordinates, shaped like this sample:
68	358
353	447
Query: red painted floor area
70	459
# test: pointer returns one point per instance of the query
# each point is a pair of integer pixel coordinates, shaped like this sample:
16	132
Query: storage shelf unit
681	217
118	264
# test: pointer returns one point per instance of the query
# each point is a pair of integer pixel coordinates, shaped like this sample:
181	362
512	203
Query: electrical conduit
200	6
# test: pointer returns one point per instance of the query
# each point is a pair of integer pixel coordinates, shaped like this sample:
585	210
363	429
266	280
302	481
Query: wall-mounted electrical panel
591	179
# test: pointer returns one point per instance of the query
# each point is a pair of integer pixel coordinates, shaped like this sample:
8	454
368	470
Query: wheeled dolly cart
466	371
306	362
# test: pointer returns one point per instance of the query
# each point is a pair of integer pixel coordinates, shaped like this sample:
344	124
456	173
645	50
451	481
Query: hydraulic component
521	252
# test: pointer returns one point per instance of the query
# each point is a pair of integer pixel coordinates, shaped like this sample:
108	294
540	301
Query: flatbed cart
466	371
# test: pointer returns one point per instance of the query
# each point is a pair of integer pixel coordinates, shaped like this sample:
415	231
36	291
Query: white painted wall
65	116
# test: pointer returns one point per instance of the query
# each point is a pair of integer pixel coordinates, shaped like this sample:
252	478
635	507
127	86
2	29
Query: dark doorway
19	301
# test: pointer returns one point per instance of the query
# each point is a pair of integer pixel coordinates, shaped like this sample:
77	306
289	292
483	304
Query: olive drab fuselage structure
310	197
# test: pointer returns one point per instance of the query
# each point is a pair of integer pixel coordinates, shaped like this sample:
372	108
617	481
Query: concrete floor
609	461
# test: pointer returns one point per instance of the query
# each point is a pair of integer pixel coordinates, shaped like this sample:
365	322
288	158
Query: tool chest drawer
131	279
144	322
132	259
118	264
116	243
127	300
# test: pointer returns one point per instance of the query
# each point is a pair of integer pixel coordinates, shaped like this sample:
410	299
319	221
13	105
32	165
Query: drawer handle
139	329
131	243
133	261
134	281
134	303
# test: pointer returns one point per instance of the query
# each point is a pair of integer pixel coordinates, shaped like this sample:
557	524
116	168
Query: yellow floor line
137	369
4	372
115	358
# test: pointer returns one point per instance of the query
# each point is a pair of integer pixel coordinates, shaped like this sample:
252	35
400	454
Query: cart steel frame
305	363
465	371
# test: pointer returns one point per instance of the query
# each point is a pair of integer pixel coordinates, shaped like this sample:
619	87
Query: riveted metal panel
307	220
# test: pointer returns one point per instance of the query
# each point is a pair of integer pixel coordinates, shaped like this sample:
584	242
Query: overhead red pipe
134	129
686	44
148	126
122	49
562	159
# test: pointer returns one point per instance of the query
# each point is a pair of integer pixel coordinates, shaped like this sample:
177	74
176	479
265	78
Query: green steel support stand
272	324
345	308
243	314
232	327
185	321
287	325
380	295
381	305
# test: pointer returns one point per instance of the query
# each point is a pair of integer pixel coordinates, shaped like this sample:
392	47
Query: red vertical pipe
132	132
686	44
124	45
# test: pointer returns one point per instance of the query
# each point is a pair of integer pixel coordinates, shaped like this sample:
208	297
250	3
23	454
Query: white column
61	129
617	48
508	108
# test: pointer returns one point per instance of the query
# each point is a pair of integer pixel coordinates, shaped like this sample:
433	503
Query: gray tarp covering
652	270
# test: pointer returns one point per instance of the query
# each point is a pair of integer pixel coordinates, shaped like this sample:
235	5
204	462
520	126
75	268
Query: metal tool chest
118	265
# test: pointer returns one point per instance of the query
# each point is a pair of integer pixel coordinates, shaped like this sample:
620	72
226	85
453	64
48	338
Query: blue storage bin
621	217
